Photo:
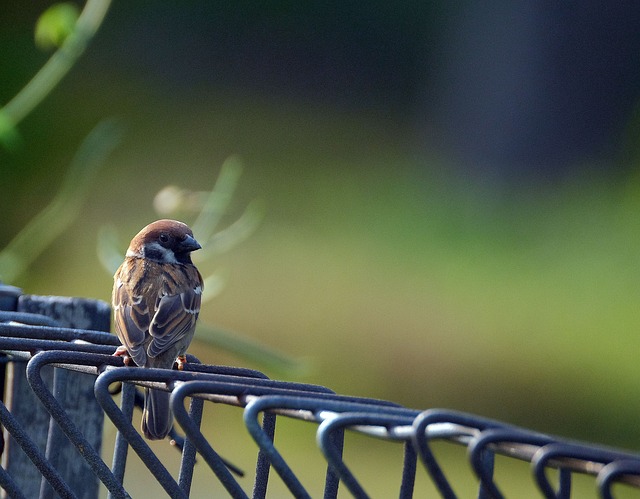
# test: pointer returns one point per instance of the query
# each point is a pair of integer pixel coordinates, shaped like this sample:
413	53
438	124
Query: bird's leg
122	351
181	361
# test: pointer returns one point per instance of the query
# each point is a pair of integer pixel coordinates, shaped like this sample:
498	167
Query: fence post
72	389
8	302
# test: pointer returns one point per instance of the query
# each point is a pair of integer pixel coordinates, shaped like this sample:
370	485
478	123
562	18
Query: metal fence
61	378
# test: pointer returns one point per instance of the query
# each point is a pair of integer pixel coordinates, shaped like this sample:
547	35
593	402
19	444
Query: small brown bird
156	300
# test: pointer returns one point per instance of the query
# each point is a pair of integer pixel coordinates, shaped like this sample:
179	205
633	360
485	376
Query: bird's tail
157	419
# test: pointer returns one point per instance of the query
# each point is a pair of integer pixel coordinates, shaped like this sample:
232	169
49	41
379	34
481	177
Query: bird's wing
132	318
175	318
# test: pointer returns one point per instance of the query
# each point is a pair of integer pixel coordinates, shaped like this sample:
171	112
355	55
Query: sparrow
156	301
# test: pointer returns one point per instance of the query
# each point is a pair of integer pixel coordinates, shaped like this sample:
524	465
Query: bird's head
164	241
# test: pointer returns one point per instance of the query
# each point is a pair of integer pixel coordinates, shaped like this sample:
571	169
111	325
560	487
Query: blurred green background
451	196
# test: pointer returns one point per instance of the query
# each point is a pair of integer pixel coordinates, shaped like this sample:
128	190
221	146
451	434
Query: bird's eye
164	238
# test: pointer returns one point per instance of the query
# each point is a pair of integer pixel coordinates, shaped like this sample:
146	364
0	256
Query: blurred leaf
214	285
169	201
53	220
219	198
249	349
56	24
9	136
109	249
238	231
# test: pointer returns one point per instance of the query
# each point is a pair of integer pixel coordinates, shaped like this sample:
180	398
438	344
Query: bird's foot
181	361
122	351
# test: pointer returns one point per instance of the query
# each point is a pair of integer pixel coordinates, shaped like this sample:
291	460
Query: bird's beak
189	244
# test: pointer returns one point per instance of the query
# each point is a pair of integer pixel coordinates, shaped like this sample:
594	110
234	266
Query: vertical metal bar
121	446
332	480
408	471
263	466
189	449
488	460
565	479
55	438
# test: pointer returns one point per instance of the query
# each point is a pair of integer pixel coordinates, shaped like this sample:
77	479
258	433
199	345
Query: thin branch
58	64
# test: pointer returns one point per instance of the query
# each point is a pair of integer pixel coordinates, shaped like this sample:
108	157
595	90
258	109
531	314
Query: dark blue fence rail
58	358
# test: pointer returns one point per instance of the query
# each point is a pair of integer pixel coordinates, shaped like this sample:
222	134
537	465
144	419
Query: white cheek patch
197	290
155	251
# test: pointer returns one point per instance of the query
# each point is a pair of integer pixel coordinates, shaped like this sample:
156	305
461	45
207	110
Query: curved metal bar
57	333
265	442
420	440
479	445
35	454
567	453
194	365
191	429
317	403
325	440
58	413
123	423
314	404
27	318
612	472
36	345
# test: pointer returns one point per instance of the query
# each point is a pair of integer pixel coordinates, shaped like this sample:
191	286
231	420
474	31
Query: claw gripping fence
60	371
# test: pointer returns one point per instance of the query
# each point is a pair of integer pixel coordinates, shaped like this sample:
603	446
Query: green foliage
9	136
56	217
252	351
56	24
